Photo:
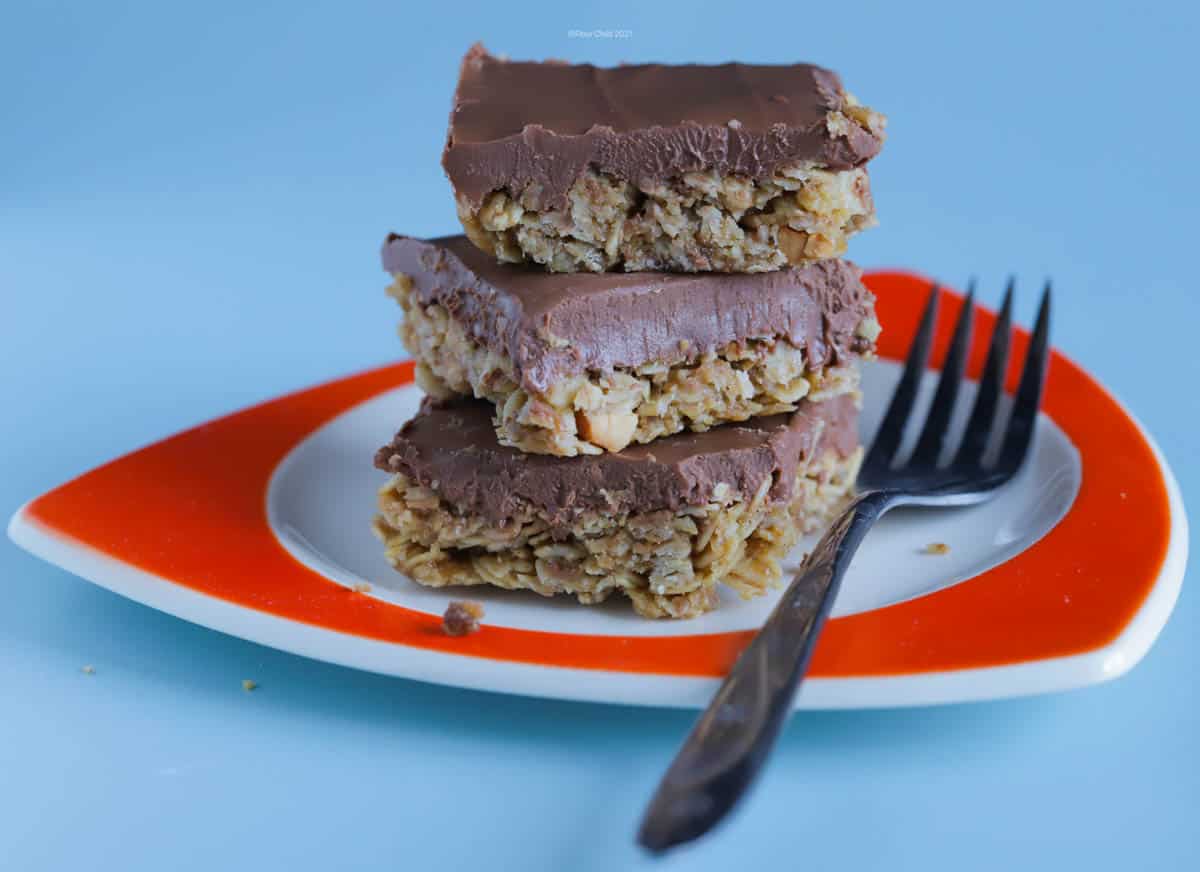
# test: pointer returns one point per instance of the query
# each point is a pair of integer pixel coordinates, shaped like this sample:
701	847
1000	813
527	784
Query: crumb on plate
937	548
249	684
462	618
361	587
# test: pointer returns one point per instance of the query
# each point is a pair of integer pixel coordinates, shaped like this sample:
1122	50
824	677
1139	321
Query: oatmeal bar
579	364
731	168
663	524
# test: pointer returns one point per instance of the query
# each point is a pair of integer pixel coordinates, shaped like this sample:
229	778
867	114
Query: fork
732	739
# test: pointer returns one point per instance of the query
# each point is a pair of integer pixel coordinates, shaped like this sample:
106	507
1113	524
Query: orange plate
162	508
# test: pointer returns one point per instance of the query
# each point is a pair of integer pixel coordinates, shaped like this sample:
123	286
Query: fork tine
983	413
891	431
1029	394
933	434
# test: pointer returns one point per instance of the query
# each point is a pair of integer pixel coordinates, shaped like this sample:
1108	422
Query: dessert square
730	168
661	524
580	364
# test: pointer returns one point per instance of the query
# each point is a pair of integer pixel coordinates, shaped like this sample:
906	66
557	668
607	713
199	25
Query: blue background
191	203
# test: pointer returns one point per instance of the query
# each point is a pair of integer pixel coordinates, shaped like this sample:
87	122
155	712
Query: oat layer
699	222
668	564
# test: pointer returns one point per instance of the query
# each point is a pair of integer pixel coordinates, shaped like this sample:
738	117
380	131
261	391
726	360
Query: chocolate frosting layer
522	124
452	449
553	325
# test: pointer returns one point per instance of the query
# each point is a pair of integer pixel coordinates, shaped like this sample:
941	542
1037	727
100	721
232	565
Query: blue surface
192	202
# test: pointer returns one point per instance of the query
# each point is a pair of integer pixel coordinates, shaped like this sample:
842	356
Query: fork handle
732	739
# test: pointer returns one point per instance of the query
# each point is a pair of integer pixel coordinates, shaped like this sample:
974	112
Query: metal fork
731	741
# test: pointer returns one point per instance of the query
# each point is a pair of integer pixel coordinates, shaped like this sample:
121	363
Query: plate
257	525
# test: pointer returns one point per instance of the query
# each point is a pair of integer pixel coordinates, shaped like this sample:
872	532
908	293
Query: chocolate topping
452	449
521	124
553	325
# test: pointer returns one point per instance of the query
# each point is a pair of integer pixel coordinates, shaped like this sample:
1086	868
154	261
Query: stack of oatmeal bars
642	359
